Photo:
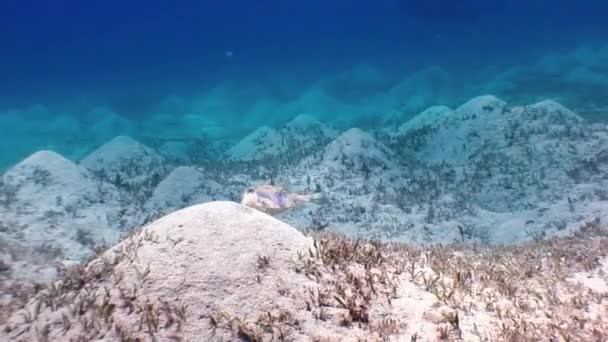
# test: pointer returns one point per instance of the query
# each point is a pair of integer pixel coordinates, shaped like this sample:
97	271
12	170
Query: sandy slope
50	203
223	272
299	134
129	165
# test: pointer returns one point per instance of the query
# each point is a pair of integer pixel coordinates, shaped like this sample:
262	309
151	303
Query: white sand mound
462	133
303	126
184	186
522	166
552	108
507	173
425	118
349	171
53	205
297	136
260	143
358	147
213	258
127	163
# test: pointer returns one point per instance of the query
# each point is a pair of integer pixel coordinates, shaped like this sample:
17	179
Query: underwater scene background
390	170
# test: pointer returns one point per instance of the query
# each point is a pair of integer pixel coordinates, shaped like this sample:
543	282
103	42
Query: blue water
71	56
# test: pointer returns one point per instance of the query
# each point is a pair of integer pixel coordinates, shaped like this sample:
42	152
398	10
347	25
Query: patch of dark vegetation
8	195
352	277
84	237
4	267
49	250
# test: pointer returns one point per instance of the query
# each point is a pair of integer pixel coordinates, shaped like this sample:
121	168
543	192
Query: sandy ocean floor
485	221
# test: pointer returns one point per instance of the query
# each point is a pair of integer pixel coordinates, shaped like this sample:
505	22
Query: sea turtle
273	199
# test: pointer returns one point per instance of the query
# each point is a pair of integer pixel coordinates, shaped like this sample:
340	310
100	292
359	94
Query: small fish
273	199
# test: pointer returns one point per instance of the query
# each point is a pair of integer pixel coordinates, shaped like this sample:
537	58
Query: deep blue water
154	62
129	52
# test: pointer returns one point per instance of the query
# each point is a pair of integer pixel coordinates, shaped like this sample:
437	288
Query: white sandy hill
536	167
297	136
487	123
184	186
353	172
427	117
354	157
359	148
543	140
476	121
214	259
261	143
303	126
128	164
485	127
483	172
52	205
